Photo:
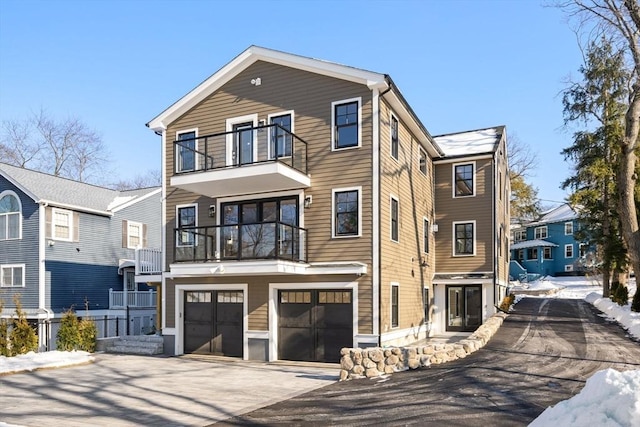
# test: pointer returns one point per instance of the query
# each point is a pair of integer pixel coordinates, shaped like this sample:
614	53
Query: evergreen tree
22	337
598	104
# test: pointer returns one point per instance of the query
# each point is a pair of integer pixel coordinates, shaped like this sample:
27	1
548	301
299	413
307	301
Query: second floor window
186	217
346	212
281	138
519	235
425	235
568	228
463	180
10	216
12	276
134	234
62	224
422	160
394	137
394	219
541	232
186	152
346	124
464	238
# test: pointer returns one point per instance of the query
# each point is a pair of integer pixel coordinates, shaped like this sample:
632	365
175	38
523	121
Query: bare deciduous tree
620	21
67	148
524	202
151	178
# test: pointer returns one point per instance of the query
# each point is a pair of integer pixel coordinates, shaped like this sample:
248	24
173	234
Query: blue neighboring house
548	246
66	244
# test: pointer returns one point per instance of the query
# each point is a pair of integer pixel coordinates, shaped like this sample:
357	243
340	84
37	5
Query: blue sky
460	64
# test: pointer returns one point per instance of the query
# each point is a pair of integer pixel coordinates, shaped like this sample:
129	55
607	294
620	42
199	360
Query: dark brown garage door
314	325
213	322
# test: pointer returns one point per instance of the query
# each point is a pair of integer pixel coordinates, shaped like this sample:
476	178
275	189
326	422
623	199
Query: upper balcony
260	159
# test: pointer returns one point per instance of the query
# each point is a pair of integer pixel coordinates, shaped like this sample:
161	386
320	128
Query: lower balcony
131	299
240	242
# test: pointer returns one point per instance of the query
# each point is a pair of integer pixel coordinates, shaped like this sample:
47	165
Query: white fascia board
75	208
247	58
136	200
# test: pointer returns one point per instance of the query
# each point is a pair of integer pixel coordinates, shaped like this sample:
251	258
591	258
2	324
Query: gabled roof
562	213
471	142
331	69
75	195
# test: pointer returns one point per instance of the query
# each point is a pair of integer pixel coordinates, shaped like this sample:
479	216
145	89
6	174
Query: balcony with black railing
240	242
259	159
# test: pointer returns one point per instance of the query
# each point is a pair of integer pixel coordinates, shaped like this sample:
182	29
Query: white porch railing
133	298
148	261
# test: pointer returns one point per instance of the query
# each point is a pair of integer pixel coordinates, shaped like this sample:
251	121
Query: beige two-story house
472	217
299	212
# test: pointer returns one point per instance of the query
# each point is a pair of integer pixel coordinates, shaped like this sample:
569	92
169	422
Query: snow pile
50	359
620	313
608	399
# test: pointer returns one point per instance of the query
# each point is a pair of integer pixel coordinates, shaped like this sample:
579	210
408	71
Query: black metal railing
241	147
237	242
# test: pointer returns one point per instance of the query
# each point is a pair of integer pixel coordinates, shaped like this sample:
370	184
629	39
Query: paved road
542	354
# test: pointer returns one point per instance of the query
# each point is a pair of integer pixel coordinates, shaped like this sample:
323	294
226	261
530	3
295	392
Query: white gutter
74	207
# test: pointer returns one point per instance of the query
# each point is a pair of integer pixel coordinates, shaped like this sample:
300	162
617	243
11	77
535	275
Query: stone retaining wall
373	362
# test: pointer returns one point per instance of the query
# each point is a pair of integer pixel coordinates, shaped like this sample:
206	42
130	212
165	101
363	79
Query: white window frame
269	117
333	212
453	240
544	253
426	234
19	213
196	147
541	232
568	267
397	286
229	140
391	199
453	182
570	248
333	123
423	153
568	225
583	248
12	266
178	207
531	250
520	255
519	235
393	117
69	214
140	235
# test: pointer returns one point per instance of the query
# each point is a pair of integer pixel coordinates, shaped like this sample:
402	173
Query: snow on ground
609	398
50	359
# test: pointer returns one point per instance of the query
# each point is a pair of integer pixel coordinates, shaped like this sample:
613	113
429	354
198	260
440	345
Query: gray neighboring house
66	244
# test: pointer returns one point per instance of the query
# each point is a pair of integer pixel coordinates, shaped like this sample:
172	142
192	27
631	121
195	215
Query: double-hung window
422	160
568	228
62	224
346	212
346	123
568	251
519	235
134	234
546	253
10	217
395	305
395	218
394	137
187	221
12	276
541	232
425	235
464	238
463	180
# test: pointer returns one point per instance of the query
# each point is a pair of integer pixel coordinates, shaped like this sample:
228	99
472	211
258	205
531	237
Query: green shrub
68	336
4	334
613	290
22	337
621	295
76	334
507	302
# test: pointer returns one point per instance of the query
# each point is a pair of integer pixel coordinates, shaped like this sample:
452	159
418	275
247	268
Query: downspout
43	331
377	195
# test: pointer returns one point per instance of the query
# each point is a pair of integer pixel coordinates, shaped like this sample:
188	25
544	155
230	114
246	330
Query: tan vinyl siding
502	213
401	261
309	96
478	208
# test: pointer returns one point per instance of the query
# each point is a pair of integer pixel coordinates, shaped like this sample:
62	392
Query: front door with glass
464	307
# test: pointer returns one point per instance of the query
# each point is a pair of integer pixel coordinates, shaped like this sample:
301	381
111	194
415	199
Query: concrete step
137	344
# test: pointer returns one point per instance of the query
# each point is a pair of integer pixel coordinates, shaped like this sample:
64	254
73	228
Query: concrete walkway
123	390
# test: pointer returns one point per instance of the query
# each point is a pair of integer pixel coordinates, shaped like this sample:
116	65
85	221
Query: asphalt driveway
122	390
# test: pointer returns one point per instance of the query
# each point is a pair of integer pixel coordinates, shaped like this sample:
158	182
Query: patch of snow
50	359
472	142
609	398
